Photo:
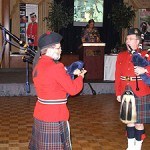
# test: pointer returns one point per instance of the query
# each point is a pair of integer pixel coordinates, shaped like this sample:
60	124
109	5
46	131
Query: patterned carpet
93	119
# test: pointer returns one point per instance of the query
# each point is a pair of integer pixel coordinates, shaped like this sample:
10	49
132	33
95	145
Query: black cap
48	39
133	31
45	40
33	15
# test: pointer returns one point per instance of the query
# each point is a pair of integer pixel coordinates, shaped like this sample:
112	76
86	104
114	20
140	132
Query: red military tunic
32	32
125	67
53	83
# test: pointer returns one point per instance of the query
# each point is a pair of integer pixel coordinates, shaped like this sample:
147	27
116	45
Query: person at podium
90	33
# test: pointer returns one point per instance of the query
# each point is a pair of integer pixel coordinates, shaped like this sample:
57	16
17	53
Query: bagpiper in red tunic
52	83
125	67
126	77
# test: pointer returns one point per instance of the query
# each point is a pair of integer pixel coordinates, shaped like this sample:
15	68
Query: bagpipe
30	54
77	65
140	61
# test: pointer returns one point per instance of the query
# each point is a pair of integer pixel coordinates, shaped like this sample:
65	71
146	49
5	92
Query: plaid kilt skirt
50	136
143	109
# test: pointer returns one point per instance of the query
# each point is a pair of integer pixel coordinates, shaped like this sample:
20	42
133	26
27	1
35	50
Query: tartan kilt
50	136
143	109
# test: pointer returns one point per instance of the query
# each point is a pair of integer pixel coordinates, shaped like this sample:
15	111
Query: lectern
92	54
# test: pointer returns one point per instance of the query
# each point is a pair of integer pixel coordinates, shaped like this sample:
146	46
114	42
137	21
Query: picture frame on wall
144	26
25	18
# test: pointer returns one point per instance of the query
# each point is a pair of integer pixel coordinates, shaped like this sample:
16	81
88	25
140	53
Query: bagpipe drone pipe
22	46
140	61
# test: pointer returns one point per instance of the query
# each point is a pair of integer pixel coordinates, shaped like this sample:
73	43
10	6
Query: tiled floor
93	119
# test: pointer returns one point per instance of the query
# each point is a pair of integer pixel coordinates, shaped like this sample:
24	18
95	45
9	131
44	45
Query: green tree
122	16
58	16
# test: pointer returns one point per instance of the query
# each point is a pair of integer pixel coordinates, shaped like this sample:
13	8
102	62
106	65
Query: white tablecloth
109	67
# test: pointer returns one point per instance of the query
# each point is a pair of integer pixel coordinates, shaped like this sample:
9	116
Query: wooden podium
92	54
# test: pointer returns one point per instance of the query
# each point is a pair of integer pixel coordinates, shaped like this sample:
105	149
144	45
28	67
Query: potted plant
58	16
122	16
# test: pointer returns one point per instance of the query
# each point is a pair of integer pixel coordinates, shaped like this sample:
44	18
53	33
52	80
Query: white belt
57	101
128	78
